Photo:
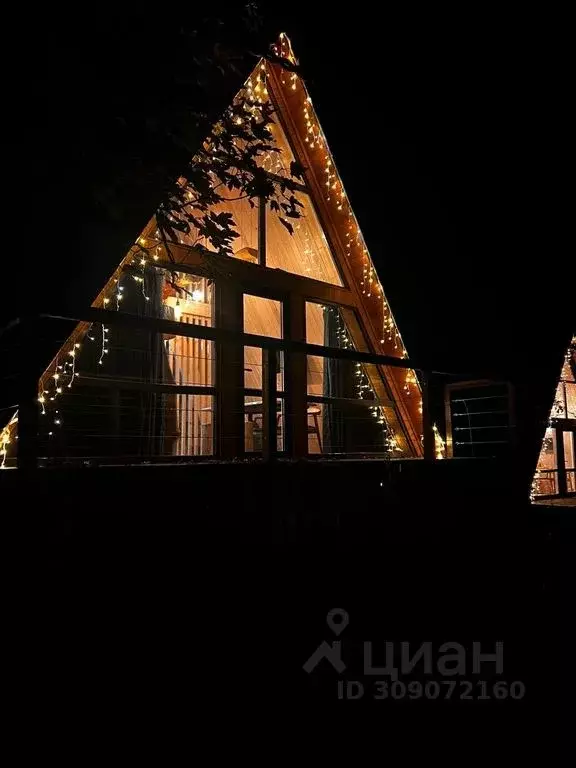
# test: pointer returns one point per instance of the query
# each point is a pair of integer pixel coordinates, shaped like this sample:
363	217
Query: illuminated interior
304	252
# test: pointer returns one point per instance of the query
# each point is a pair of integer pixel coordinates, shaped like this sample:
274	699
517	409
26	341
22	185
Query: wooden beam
143	386
262	232
232	335
229	374
295	384
252	276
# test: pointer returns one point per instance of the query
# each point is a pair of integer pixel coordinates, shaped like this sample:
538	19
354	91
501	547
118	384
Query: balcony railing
221	419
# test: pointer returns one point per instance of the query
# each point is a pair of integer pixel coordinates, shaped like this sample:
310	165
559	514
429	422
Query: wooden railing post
296	426
229	420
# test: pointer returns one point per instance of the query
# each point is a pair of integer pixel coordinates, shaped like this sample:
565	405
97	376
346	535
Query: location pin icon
337	619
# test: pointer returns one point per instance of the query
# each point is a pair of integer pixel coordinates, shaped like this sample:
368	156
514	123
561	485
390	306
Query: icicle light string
6	439
362	383
336	194
104	348
4	443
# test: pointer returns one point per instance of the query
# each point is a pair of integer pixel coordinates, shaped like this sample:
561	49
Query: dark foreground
165	590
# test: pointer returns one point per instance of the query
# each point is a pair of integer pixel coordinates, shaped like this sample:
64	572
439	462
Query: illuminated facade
151	379
556	469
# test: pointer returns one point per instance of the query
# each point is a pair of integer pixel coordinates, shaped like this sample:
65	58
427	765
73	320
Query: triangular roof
302	138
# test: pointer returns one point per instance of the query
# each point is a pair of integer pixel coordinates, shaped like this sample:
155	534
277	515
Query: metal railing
164	399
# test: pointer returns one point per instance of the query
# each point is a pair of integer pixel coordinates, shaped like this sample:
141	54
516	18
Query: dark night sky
450	136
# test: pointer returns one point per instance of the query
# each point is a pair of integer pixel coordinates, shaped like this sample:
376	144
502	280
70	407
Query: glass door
262	317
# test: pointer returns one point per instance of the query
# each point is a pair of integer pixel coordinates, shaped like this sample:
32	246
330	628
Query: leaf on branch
297	170
168	233
287	224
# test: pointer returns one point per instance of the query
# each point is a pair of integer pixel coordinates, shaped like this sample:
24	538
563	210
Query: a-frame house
556	470
157	382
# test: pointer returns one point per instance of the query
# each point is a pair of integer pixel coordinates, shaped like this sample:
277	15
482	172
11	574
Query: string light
72	354
363	385
4	443
439	444
119	293
6	439
356	250
104	349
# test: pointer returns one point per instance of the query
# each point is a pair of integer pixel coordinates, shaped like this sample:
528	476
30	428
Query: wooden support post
296	429
269	397
262	232
229	369
561	463
428	432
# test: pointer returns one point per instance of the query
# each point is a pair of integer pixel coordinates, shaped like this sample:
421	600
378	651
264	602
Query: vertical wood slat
191	362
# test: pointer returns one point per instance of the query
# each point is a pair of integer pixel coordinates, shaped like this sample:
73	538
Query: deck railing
287	419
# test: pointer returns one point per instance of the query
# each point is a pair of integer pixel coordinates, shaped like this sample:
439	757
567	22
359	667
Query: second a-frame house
156	384
556	470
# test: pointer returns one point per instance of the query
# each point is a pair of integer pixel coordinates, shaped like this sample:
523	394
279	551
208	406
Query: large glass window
304	252
547	478
349	410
